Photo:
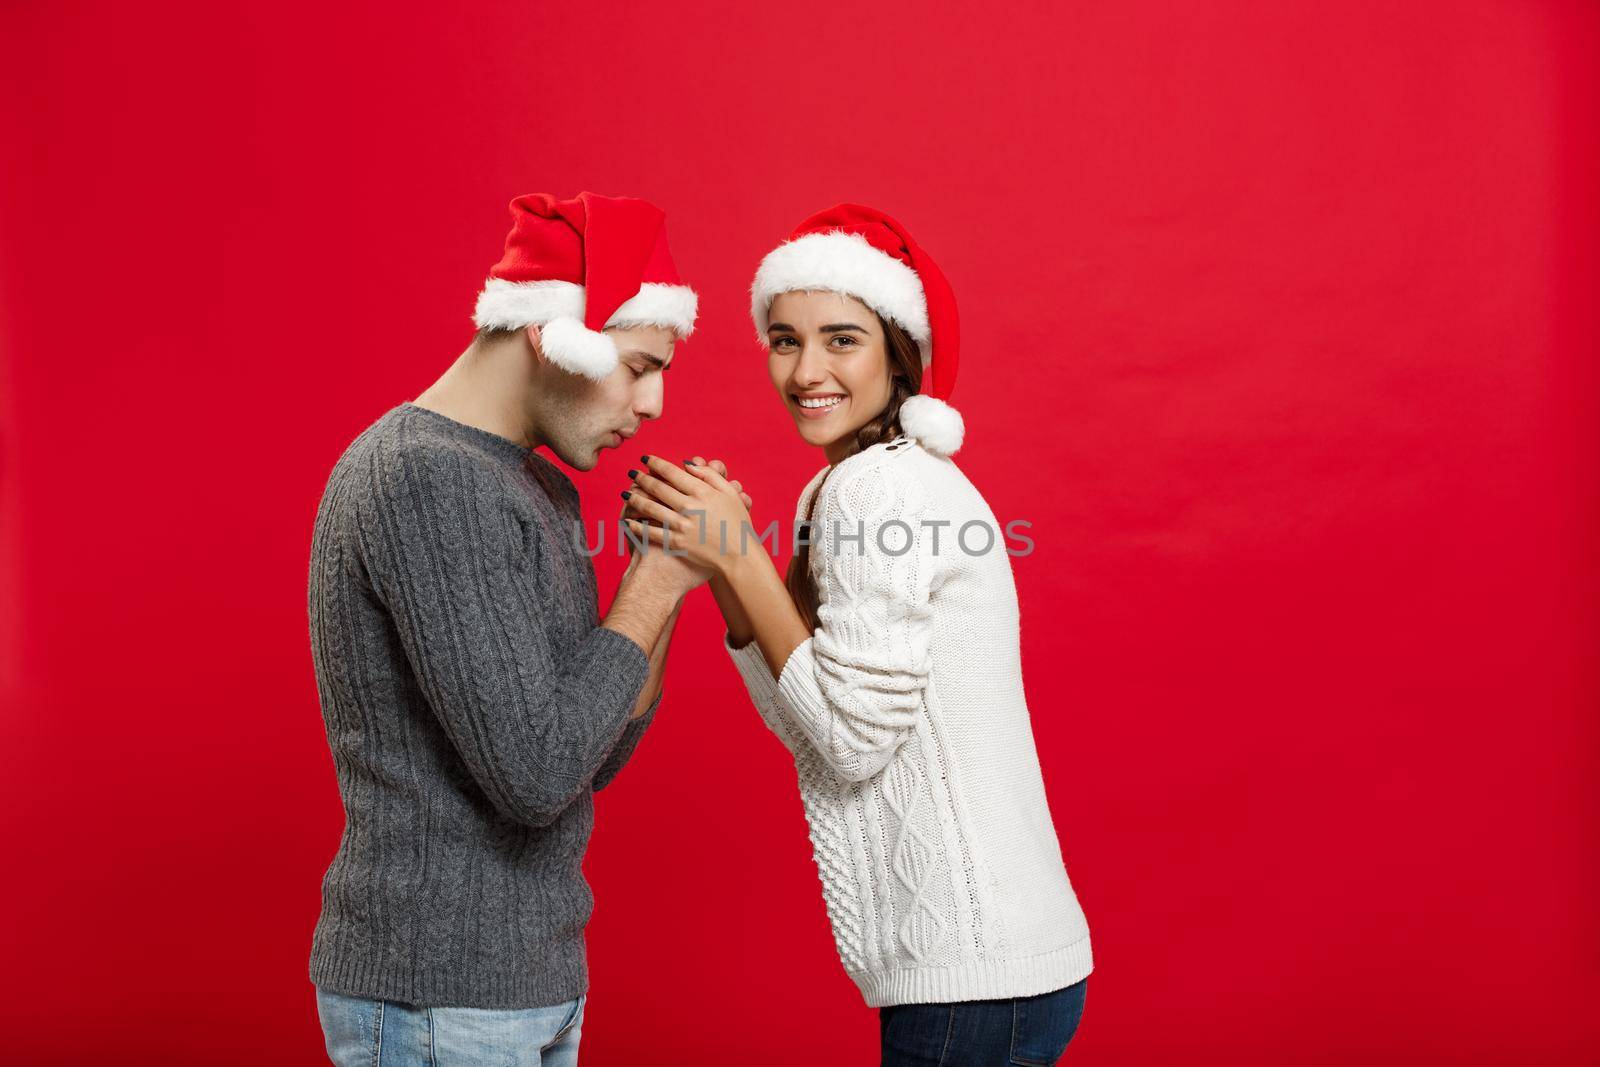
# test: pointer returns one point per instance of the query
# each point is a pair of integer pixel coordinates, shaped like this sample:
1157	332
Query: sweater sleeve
623	752
763	689
853	689
533	717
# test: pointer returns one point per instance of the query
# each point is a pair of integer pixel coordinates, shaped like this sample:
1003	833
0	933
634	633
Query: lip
815	413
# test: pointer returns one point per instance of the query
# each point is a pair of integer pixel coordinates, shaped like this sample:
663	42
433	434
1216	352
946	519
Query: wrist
738	568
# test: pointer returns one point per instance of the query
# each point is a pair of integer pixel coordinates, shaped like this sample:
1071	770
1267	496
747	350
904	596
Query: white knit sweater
940	867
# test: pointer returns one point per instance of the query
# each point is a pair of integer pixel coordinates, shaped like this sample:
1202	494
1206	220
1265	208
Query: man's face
583	417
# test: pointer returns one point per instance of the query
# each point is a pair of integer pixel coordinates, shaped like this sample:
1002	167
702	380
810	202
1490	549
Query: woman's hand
722	469
694	511
628	511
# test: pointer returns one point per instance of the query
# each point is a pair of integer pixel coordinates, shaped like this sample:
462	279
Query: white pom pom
936	425
572	346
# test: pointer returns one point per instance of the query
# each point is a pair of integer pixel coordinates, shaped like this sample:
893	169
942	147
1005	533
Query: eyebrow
832	327
650	357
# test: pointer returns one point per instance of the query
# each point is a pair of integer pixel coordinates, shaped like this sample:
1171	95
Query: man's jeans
387	1033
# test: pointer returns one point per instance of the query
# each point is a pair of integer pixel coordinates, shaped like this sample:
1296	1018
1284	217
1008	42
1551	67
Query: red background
1279	327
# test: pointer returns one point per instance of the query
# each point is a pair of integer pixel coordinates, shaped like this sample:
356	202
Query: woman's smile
818	405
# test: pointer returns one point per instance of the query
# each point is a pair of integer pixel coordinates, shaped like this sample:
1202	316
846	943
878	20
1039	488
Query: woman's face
828	360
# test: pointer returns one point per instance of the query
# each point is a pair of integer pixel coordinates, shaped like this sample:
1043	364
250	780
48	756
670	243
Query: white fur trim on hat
507	305
840	262
574	347
656	304
936	425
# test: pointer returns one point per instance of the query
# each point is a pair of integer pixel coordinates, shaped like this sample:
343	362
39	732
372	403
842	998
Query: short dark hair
488	335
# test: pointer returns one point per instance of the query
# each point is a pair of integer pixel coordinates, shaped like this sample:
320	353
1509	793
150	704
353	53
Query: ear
535	341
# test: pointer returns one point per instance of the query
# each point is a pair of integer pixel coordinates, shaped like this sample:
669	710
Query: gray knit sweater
472	703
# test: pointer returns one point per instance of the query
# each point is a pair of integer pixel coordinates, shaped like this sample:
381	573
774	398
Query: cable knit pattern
473	704
939	864
856	685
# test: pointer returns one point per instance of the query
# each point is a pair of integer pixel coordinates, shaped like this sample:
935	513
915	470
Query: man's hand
650	562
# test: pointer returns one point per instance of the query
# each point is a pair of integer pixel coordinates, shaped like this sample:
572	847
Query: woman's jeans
387	1033
1032	1031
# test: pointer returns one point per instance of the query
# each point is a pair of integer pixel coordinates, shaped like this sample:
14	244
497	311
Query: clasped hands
695	512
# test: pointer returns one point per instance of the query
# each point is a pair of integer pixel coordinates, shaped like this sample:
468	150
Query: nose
811	368
651	399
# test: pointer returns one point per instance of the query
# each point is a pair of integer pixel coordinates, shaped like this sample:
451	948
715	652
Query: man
473	697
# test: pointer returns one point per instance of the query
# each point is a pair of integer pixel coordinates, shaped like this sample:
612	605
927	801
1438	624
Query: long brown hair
905	380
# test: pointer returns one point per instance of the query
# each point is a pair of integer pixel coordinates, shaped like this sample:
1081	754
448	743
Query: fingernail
633	474
625	494
644	459
688	463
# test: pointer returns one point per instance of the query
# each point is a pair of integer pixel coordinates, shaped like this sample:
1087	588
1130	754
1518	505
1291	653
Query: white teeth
819	402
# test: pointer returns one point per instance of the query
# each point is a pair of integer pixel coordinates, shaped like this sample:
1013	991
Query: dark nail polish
633	474
644	459
688	463
625	494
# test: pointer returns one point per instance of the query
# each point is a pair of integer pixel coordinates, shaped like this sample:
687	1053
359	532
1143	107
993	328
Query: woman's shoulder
886	478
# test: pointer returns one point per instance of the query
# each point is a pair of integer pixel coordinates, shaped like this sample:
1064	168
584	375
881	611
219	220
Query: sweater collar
491	444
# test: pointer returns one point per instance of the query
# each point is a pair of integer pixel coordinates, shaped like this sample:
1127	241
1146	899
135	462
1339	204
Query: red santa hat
861	252
574	267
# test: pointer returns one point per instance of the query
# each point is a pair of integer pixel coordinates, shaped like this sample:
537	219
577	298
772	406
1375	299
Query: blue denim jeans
1031	1031
388	1033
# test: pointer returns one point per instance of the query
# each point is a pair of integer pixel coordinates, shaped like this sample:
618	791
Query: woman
888	662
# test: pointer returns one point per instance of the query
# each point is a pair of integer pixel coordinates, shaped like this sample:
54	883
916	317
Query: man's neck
484	392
